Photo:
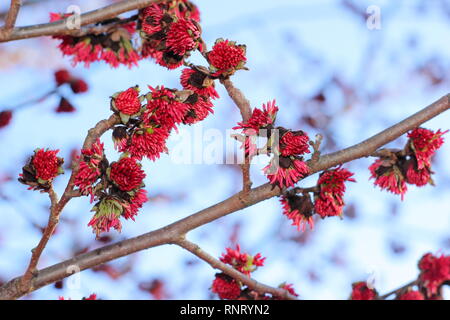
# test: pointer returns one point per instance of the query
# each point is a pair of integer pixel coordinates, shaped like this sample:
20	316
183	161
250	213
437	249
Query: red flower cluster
388	175
294	143
170	31
243	262
122	193
411	166
228	288
260	119
91	167
199	82
424	144
287	172
113	47
434	272
41	169
360	291
226	57
126	102
127	174
411	295
299	209
329	201
164	108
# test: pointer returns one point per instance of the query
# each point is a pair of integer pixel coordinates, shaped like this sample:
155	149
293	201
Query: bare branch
13	12
171	233
217	264
399	290
244	106
239	99
60	27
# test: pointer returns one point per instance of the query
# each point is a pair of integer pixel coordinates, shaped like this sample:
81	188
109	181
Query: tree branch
171	233
399	290
217	264
13	12
60	27
244	106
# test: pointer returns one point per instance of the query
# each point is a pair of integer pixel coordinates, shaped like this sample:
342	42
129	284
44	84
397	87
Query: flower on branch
424	144
243	262
435	270
226	57
411	295
127	102
199	82
226	287
127	174
388	175
299	209
92	166
360	291
287	172
41	169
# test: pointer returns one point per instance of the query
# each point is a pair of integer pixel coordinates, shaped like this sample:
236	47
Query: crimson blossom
360	291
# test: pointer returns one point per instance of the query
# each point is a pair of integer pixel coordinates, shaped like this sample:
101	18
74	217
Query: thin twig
11	17
244	107
217	264
399	290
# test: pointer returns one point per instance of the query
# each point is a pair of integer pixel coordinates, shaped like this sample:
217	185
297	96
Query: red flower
164	109
47	164
79	86
334	180
198	82
226	287
107	214
199	108
243	262
434	272
5	118
418	177
411	295
289	288
127	102
299	209
388	176
183	36
89	170
127	174
287	173
294	143
136	203
91	297
424	143
226	57
65	106
151	18
329	204
260	118
360	291
62	76
148	142
120	138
